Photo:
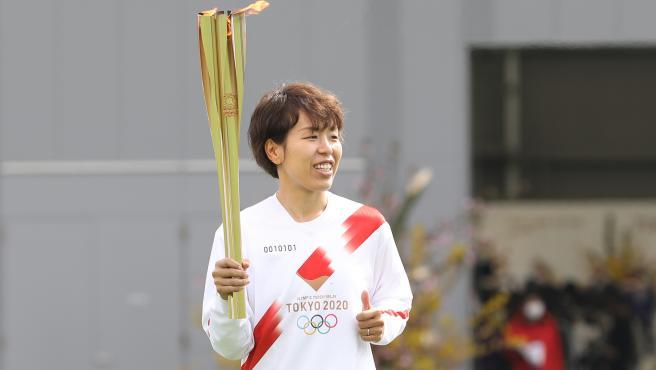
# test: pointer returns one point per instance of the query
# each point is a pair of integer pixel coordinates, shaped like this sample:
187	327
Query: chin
324	186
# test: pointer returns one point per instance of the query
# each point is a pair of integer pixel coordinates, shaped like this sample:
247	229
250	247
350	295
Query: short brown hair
278	112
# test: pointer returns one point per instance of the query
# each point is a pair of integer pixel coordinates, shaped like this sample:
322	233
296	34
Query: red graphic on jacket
360	225
402	314
266	332
316	269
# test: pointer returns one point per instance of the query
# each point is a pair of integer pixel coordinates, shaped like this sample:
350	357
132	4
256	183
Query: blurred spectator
533	336
587	339
606	324
620	346
640	293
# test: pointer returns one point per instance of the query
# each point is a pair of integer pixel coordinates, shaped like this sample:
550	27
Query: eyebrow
313	128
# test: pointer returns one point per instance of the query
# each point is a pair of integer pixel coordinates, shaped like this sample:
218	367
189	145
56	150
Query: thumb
366	305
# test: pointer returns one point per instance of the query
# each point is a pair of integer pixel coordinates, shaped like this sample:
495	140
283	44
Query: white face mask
534	310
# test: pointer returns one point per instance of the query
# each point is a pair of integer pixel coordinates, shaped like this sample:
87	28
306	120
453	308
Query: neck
303	206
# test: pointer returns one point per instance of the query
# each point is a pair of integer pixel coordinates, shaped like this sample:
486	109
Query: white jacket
306	281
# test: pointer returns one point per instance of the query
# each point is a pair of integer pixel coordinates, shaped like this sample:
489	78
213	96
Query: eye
311	137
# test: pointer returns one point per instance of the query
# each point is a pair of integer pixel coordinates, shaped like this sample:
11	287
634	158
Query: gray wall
581	22
106	271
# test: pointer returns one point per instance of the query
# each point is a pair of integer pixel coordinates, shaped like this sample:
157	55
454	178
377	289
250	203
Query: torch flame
254	8
209	12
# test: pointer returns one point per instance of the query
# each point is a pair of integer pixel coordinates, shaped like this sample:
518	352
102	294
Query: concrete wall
107	270
580	22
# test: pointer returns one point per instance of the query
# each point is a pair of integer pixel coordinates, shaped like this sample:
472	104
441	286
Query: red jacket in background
544	330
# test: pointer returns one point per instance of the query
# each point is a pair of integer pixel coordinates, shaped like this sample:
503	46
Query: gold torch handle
221	39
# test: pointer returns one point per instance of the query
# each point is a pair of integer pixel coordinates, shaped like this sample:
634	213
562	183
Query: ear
274	151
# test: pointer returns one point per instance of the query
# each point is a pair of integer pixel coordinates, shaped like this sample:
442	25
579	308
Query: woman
322	274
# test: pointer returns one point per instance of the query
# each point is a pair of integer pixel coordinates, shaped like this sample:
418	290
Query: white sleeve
391	293
232	339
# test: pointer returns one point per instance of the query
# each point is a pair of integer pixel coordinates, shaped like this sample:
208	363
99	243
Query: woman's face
309	158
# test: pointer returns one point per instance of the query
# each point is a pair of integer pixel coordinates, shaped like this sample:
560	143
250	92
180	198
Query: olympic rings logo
316	323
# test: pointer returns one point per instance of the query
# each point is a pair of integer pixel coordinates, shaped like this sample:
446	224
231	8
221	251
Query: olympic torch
222	38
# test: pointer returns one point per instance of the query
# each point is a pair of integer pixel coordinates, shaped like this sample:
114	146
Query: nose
325	146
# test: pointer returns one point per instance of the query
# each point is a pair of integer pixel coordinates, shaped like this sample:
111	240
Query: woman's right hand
230	276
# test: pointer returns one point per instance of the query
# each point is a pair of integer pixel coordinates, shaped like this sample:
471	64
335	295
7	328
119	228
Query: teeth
324	166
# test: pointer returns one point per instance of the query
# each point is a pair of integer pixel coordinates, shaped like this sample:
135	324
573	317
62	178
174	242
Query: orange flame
209	12
253	9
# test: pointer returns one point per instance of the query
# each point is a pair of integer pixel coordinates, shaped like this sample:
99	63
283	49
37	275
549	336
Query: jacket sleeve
391	294
232	339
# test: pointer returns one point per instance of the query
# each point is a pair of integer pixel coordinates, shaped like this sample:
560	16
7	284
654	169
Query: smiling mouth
324	167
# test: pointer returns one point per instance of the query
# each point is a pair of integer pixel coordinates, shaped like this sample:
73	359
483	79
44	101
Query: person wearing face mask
533	337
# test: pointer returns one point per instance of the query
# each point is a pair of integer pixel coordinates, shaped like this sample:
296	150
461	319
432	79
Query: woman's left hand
370	323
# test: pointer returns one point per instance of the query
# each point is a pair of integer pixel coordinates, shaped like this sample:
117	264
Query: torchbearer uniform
305	288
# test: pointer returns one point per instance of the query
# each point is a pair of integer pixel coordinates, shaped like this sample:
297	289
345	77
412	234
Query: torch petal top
252	9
